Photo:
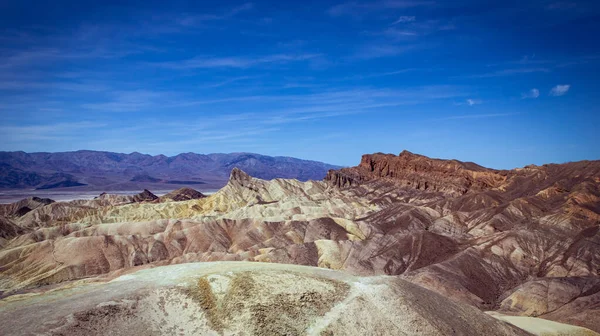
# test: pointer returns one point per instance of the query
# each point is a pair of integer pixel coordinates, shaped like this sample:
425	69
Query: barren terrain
521	243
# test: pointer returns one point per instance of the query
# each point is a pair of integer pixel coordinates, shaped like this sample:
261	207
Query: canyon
398	244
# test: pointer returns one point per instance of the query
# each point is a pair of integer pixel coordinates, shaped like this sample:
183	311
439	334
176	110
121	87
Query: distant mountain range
95	170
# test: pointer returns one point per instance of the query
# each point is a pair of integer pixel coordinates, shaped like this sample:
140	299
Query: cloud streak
43	56
56	86
531	94
238	62
194	20
509	72
131	101
470	102
47	132
560	90
228	81
404	19
478	116
357	8
372	51
561	5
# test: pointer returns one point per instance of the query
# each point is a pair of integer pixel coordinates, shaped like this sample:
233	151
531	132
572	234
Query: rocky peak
8	229
23	206
182	194
145	195
238	176
407	154
343	178
44	201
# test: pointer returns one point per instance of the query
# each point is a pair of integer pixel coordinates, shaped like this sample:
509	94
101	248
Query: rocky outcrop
182	194
8	230
452	177
144	196
22	207
46	212
344	178
239	178
421	173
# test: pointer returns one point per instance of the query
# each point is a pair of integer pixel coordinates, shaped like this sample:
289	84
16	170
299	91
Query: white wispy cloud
382	74
192	20
343	99
296	85
204	62
531	94
561	5
47	132
508	72
275	113
469	102
228	81
534	62
477	116
531	59
324	102
400	33
20	85
472	102
40	56
357	8
405	19
371	51
131	101
560	90
302	108
390	73
407	27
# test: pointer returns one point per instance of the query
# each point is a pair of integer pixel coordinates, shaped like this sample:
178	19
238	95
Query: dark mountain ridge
107	170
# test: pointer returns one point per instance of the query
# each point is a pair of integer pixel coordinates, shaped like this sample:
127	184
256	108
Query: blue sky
502	83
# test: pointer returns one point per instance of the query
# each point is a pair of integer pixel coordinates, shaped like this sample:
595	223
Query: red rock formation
420	172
